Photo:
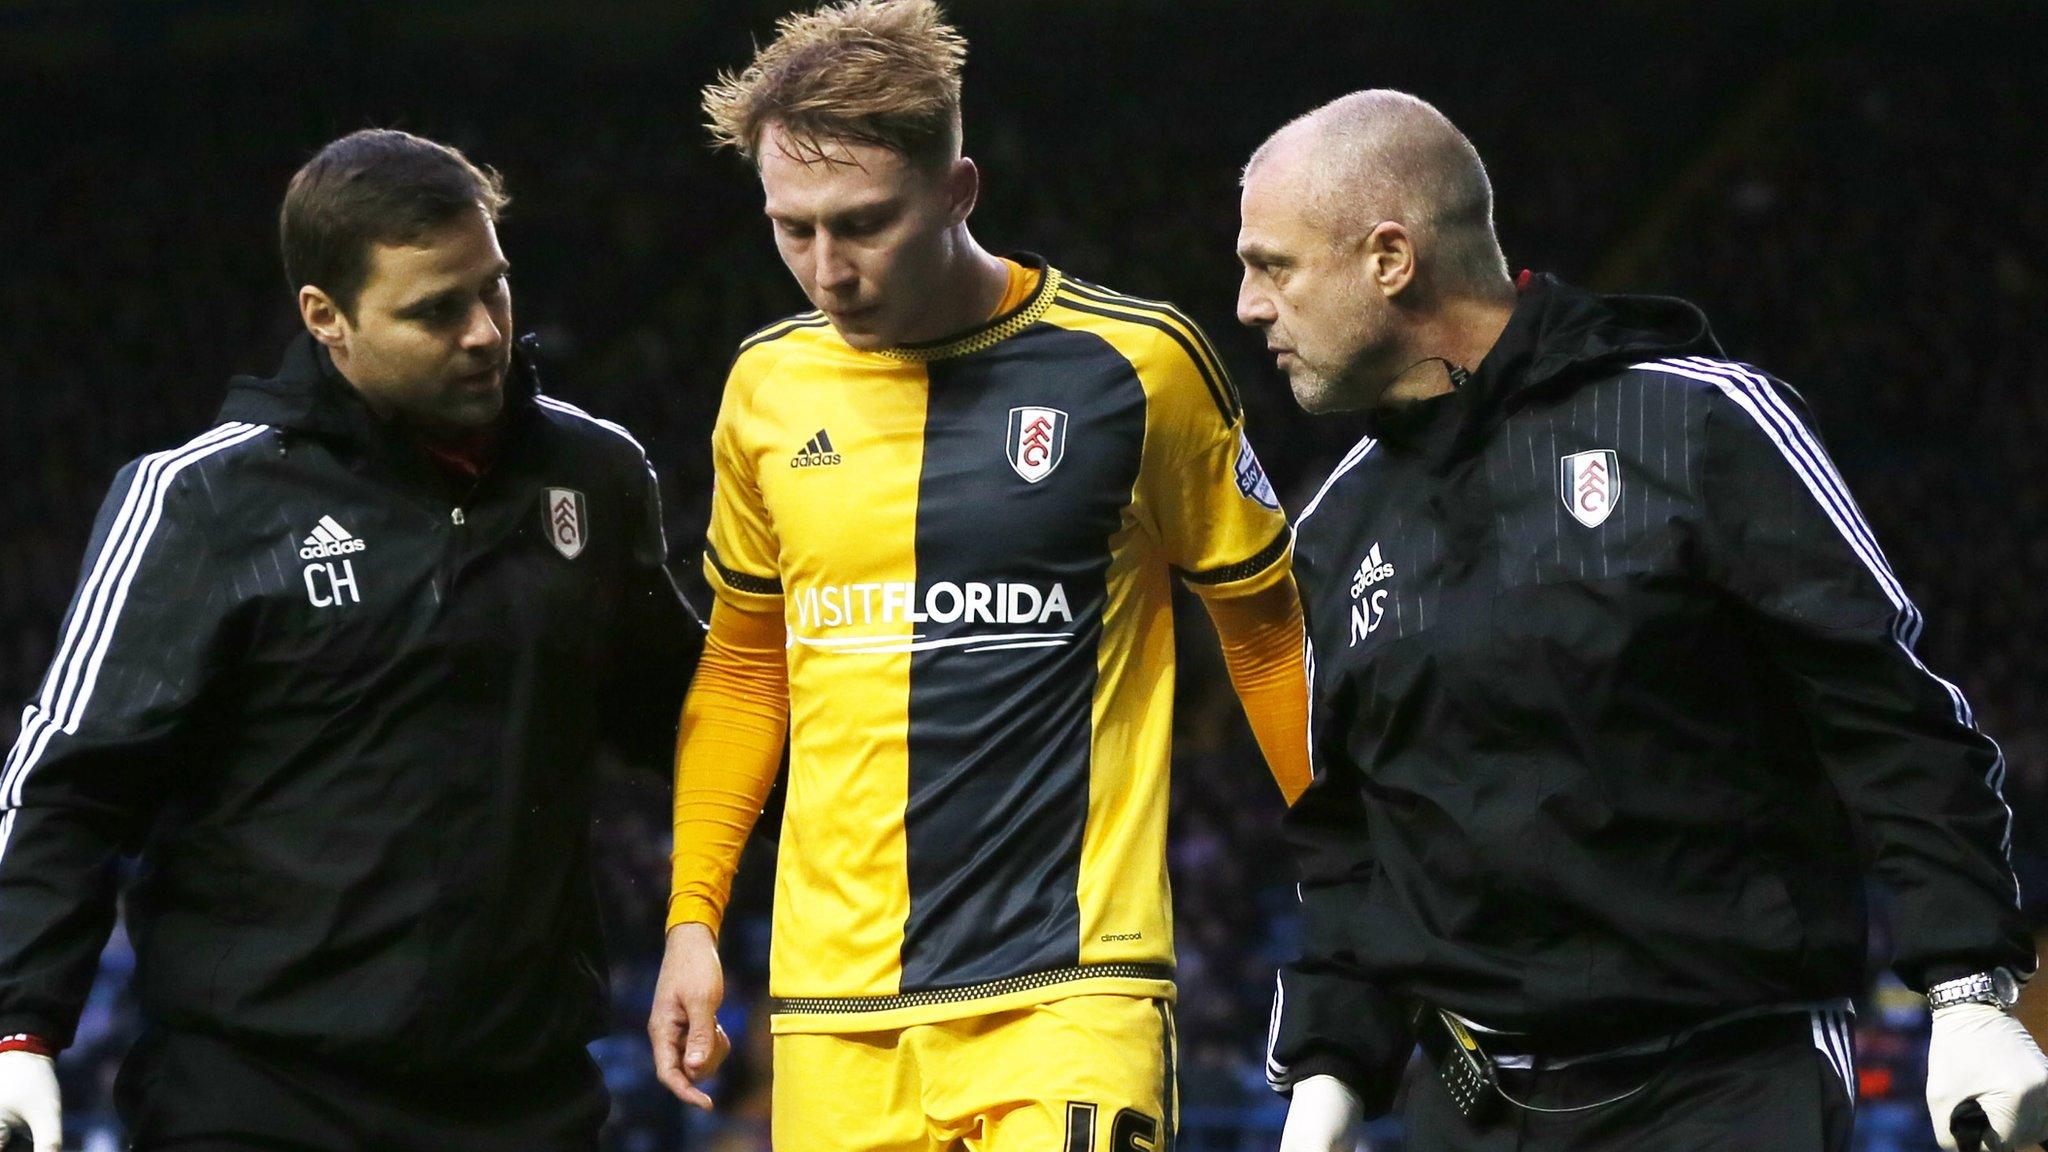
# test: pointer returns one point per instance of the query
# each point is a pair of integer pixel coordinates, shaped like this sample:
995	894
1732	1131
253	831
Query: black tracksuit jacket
347	708
1615	705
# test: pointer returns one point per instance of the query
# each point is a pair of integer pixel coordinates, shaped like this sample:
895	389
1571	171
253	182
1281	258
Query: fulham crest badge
568	523
1589	483
1036	441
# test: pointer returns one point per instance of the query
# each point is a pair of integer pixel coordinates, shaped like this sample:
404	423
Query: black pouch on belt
1462	1065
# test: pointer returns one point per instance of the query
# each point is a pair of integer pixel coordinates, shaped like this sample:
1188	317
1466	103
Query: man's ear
963	189
322	316
1389	255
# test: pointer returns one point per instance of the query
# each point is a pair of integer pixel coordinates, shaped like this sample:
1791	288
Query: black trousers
1777	1084
182	1092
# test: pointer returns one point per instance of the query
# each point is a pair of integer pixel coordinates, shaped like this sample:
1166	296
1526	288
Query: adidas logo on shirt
816	454
1371	571
329	538
1368	612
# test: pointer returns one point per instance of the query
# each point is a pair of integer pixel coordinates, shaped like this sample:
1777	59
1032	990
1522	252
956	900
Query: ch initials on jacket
329	584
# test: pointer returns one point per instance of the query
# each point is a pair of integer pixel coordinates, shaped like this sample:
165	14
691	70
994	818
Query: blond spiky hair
882	72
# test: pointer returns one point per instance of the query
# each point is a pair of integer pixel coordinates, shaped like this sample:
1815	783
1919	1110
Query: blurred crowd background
1852	192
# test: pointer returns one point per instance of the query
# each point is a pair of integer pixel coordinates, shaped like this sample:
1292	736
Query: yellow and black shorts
1083	1074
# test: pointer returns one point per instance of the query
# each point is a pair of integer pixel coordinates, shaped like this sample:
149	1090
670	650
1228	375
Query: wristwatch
1998	988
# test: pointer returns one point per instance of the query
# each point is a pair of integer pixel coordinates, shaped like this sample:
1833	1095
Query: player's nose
832	272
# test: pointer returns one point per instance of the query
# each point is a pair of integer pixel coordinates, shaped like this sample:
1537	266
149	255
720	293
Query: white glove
1981	1051
28	1097
1324	1117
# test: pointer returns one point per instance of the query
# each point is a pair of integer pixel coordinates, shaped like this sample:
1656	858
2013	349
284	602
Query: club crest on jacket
568	525
1589	483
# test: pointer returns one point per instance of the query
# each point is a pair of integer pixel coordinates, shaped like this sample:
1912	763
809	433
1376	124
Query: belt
1524	1051
1468	1061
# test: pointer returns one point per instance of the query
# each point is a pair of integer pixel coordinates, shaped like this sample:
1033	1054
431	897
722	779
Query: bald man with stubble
1615	707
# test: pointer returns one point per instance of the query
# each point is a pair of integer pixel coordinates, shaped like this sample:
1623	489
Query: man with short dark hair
339	669
1614	707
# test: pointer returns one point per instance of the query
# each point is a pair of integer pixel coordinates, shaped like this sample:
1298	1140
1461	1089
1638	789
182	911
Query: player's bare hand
688	1043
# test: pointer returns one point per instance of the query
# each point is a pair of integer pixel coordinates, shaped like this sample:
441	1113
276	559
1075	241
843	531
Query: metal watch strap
1976	988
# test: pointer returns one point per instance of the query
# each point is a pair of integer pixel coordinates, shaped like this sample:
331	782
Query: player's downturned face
1304	288
432	333
866	233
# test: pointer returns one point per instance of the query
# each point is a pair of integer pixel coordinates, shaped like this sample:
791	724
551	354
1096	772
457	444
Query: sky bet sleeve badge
1589	483
568	525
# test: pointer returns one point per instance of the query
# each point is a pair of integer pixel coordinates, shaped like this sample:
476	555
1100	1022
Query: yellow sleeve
1261	635
735	720
1201	485
740	554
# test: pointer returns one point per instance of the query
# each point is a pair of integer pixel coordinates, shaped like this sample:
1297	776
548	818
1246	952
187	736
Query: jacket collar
1557	339
309	395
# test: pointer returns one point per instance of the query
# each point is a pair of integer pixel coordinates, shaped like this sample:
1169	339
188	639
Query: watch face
2005	986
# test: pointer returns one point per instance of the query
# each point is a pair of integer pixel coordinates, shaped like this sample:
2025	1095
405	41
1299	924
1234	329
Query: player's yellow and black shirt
971	545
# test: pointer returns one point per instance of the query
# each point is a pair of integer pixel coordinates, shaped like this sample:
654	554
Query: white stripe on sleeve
1753	393
74	673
